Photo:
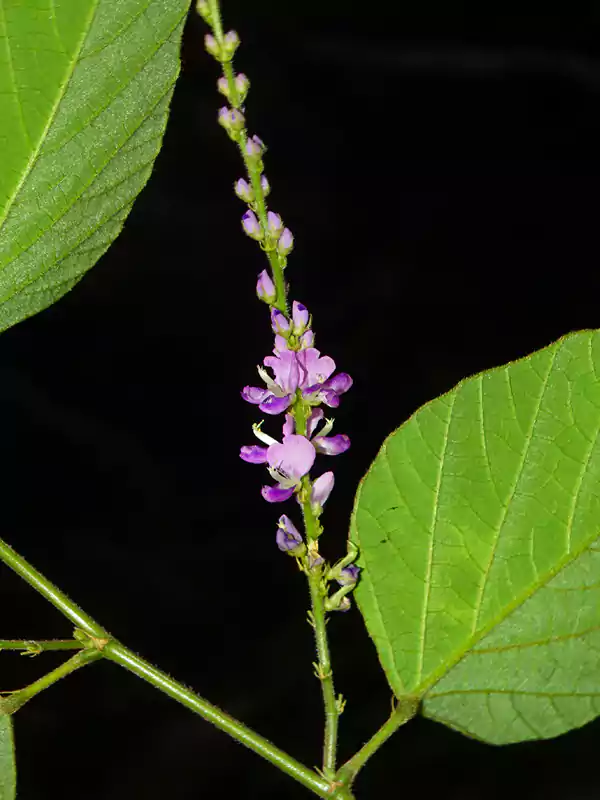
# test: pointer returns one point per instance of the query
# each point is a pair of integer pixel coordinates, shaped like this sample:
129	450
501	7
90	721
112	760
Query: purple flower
251	225
280	391
314	368
349	575
265	288
288	538
321	490
324	444
288	463
285	243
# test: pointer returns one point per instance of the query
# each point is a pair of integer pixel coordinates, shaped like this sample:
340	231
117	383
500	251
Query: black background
438	165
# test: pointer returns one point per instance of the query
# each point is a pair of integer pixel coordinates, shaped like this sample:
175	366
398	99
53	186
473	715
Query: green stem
18	699
109	648
405	710
34	646
276	261
51	592
324	672
125	658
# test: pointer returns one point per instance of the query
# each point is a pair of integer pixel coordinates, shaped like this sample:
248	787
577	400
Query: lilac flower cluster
301	376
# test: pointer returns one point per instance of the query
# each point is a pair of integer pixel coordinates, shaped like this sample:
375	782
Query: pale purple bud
299	317
231	43
265	288
343	604
321	490
285	243
274	223
279	323
244	191
254	454
281	344
349	575
223	86
331	445
231	119
212	46
288	538
307	340
314	560
242	84
254	146
265	185
251	225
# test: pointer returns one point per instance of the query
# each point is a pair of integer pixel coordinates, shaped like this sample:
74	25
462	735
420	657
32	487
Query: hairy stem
16	700
101	644
324	672
34	646
405	710
276	261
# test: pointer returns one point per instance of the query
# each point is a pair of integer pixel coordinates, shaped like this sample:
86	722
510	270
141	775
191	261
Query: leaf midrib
52	116
467	649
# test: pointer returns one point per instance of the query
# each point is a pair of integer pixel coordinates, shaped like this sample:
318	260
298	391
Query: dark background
438	165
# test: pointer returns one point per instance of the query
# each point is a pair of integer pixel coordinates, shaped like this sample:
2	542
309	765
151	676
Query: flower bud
244	191
265	288
300	317
251	226
274	224
337	603
212	46
223	86
231	42
204	11
349	575
231	119
288	538
285	243
279	323
265	185
321	490
254	147
242	84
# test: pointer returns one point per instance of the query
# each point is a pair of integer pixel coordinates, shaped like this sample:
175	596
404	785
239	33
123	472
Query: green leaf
479	530
85	87
8	775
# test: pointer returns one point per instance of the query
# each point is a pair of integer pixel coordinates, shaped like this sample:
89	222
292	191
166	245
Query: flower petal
316	415
285	369
294	458
275	494
255	394
254	454
314	368
340	383
321	488
331	445
275	405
